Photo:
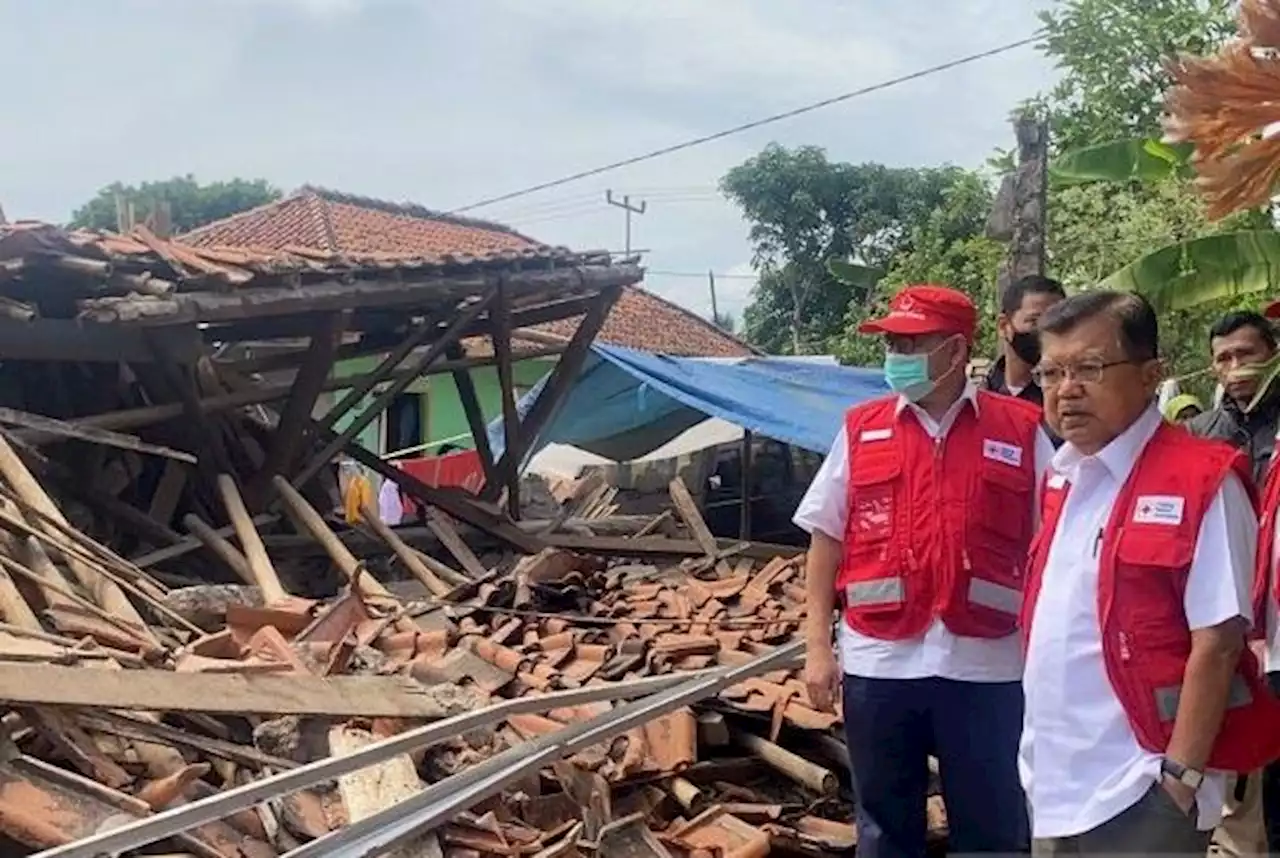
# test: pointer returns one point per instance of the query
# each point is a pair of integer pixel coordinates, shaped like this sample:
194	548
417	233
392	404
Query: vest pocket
996	559
872	484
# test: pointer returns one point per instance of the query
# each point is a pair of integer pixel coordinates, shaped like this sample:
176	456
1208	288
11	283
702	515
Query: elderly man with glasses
920	520
1140	692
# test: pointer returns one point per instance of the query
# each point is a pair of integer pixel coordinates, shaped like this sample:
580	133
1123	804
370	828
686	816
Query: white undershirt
1080	762
938	652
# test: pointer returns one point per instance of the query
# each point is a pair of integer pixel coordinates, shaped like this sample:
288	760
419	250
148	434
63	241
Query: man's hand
1183	796
822	678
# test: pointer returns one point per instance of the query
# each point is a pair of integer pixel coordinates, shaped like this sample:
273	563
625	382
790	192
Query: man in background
1020	310
1239	340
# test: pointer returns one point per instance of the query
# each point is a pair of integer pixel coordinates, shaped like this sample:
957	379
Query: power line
700	274
747	126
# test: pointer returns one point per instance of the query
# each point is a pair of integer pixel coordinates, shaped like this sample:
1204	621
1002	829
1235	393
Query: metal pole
440	802
625	205
149	829
715	310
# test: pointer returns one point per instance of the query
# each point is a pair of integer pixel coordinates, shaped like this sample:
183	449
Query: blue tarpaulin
627	403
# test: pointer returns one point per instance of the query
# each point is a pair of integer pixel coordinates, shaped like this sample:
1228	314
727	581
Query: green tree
947	247
191	204
803	210
1097	229
1111	56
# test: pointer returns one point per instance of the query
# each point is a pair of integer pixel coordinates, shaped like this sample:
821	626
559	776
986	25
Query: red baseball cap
1272	310
926	309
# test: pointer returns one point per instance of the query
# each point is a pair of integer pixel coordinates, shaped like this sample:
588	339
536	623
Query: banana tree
1187	273
1135	160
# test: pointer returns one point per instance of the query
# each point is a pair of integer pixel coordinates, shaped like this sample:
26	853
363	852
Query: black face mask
1026	345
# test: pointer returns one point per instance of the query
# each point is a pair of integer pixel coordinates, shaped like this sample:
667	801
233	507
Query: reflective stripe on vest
995	596
892	591
878	591
1167	697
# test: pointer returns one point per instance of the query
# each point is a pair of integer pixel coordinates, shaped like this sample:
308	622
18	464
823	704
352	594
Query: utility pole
715	311
625	205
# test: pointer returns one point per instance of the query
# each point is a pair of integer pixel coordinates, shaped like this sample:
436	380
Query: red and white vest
938	529
1268	509
1145	556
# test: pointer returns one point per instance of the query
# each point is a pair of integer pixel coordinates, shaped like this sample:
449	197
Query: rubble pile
129	704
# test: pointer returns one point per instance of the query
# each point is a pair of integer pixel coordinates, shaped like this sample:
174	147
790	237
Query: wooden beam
151	414
66	431
185	545
461	319
557	386
72	341
296	415
500	320
266	301
661	546
360	387
222	693
454	503
255	553
475	415
106	594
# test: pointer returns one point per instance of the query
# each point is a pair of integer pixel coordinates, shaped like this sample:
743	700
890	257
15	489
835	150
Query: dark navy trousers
973	728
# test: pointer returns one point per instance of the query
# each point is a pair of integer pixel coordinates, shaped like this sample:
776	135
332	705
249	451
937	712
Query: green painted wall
443	417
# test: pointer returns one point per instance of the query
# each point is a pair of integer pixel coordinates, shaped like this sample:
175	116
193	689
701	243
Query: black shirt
996	383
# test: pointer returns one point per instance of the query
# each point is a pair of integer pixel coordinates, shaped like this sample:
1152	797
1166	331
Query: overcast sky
446	102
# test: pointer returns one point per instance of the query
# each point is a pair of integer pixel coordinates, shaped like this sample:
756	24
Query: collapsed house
186	624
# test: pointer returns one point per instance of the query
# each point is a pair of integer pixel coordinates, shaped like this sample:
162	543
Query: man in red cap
920	521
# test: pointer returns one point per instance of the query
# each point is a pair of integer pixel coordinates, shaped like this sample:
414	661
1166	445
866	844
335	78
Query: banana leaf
1134	160
1190	273
854	274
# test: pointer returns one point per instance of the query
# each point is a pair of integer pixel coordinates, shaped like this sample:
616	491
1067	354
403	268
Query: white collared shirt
825	508
1080	763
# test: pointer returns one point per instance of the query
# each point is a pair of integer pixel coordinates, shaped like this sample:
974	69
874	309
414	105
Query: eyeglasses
1085	372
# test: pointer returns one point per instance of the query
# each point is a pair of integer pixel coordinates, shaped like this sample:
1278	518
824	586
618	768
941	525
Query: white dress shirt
1080	763
825	508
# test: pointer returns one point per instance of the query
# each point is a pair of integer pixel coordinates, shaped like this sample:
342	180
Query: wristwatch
1184	775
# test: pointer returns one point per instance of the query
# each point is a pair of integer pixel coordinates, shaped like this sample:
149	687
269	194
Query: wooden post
1018	215
222	549
556	388
475	415
296	415
406	555
460	322
255	553
501	316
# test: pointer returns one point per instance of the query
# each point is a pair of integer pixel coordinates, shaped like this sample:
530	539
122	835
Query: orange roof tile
344	224
642	320
341	223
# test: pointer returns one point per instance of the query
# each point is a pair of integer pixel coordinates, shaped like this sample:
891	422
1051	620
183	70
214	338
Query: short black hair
1238	319
1139	329
1032	284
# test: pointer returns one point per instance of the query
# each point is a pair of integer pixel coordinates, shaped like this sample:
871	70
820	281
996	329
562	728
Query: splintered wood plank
104	591
265	694
442	526
688	509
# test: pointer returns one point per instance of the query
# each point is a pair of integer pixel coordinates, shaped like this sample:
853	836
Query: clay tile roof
346	224
644	321
342	223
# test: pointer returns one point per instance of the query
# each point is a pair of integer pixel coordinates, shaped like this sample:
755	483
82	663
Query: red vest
938	529
1146	552
1266	545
